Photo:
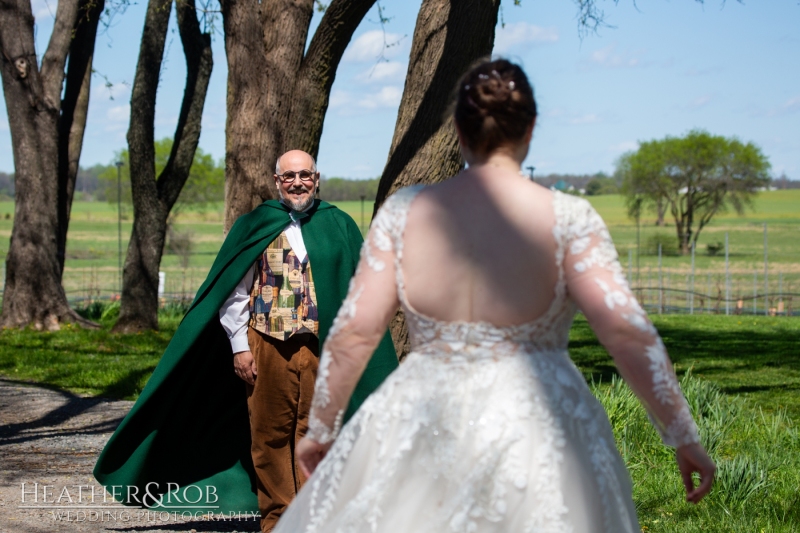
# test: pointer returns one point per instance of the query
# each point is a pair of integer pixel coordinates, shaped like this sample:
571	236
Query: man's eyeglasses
290	175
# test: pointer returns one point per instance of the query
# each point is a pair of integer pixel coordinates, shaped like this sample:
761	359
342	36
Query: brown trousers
279	405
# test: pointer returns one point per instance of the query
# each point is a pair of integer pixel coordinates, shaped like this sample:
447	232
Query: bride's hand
309	454
693	458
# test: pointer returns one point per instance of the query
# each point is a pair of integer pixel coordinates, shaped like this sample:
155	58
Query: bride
487	426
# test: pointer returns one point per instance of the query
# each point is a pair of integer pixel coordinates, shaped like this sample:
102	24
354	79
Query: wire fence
729	288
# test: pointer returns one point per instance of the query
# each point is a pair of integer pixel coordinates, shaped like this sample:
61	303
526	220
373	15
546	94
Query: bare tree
153	198
449	36
281	104
46	134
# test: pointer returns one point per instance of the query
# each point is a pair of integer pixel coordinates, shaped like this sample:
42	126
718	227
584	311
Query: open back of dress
487	426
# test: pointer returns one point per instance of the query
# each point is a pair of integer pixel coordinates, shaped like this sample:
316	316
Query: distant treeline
343	189
99	183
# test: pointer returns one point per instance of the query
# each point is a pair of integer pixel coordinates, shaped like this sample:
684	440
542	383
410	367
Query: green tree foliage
602	184
206	183
693	178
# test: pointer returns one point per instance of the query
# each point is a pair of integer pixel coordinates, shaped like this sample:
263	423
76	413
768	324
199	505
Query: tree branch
55	56
199	62
74	111
318	71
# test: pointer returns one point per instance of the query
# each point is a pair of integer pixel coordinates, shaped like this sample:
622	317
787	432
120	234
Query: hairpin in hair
511	85
466	87
483	76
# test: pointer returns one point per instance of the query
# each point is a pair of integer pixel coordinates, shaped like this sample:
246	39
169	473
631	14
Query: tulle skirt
494	439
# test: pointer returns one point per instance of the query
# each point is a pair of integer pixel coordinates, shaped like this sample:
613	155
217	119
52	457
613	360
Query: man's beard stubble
298	206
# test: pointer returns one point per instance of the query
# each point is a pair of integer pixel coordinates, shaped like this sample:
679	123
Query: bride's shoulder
571	206
399	200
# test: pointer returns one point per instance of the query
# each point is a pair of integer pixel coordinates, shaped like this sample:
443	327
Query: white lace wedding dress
484	428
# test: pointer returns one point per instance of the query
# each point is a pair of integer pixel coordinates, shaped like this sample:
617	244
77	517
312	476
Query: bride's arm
596	282
358	328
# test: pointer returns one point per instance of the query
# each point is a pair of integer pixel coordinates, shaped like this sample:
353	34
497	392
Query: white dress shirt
234	315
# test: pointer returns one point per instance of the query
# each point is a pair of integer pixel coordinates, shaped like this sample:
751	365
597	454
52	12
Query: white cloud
791	106
117	117
700	101
624	146
518	33
388	96
44	8
372	45
707	71
609	57
339	99
385	71
114	91
588	118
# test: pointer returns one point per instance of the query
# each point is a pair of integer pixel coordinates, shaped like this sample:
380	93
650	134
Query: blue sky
659	68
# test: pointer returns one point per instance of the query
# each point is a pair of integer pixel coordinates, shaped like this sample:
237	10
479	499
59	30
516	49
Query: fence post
755	290
780	293
727	279
691	283
660	283
162	280
630	267
708	292
766	274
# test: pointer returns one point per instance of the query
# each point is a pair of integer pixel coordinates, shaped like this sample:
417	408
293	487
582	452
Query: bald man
272	321
261	315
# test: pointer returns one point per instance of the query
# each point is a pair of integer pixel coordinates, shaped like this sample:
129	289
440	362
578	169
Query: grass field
743	385
92	257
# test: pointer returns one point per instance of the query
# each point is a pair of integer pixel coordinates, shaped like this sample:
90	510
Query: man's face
298	192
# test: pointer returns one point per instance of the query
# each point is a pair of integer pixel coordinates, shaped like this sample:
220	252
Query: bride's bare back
480	248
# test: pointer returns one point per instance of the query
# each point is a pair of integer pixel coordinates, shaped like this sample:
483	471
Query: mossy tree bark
153	197
46	137
449	36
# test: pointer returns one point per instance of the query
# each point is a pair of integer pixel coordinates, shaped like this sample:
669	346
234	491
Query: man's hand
693	458
245	366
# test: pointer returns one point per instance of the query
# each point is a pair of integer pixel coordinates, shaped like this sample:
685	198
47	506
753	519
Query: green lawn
743	386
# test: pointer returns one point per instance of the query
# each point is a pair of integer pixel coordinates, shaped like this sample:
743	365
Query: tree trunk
153	199
33	292
74	109
449	36
281	104
661	211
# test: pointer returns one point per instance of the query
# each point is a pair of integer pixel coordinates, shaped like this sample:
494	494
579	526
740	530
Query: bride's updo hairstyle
494	106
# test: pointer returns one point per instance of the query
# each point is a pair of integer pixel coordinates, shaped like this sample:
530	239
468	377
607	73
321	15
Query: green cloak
190	424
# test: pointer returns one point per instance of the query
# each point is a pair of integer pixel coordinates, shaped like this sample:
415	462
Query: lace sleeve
596	282
358	328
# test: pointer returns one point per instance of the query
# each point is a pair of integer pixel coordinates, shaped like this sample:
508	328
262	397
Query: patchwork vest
283	301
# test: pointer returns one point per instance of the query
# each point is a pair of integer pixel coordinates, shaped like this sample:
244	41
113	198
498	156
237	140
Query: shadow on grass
128	385
742	355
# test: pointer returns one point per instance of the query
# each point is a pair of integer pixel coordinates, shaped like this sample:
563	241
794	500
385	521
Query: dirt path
51	438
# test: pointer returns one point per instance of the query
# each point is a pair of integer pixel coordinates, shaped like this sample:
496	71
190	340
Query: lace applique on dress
479	427
589	239
382	236
319	431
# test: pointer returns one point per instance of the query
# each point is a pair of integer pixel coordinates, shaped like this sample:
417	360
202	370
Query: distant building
562	186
